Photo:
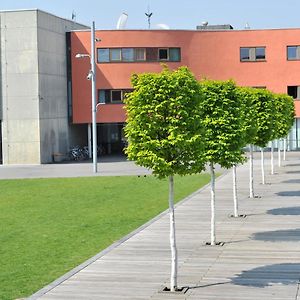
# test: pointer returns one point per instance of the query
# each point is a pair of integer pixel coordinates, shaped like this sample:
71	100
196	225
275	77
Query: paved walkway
259	260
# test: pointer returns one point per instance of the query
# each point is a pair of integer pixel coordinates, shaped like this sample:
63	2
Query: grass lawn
49	226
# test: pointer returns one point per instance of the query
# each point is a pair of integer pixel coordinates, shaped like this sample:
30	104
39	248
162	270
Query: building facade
34	119
255	58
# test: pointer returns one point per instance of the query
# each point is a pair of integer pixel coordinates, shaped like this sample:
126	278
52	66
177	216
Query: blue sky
183	14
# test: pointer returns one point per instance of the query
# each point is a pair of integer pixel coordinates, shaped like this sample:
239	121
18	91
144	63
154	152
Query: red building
255	58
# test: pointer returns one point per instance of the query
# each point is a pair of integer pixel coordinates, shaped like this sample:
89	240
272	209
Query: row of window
117	96
259	53
105	55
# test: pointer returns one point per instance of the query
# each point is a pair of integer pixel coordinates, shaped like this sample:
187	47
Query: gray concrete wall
53	105
20	97
34	86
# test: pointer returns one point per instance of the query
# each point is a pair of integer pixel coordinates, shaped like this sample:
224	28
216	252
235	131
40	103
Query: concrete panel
22	85
52	64
21	62
19	19
22	108
22	153
23	131
24	39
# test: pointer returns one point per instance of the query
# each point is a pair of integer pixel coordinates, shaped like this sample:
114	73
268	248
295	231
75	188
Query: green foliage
163	123
49	226
264	108
222	109
284	115
248	98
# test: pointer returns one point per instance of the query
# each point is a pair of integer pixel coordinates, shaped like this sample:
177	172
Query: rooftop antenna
122	21
73	15
247	26
149	15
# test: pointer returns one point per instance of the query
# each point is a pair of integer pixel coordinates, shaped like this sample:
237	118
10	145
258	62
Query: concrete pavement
259	260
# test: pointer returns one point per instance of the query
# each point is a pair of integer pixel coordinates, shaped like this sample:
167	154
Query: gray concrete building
34	120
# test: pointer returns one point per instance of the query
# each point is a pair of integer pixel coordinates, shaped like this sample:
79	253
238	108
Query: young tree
164	132
224	136
284	114
248	98
264	108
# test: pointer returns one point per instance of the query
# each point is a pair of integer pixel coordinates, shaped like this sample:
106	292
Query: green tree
164	131
224	136
264	107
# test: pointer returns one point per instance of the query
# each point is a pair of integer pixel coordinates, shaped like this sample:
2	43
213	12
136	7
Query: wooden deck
259	260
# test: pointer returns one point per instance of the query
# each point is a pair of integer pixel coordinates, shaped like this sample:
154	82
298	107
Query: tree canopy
164	128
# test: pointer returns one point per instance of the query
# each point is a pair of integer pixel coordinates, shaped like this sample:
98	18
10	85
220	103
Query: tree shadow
289	194
291	181
285	274
292	235
285	211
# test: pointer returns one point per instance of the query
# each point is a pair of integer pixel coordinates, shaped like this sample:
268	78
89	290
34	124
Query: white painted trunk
174	259
262	167
235	200
279	153
212	201
284	149
272	158
251	195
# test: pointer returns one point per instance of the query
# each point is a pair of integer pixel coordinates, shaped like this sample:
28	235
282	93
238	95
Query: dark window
294	91
116	96
151	54
260	53
293	52
103	55
245	54
163	54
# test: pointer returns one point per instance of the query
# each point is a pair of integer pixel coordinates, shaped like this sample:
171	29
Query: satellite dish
162	26
205	23
122	21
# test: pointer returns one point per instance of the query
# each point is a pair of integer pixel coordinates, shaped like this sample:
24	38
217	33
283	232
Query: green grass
49	226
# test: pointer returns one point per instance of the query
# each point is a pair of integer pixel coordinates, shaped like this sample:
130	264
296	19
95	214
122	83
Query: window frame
253	54
168	54
297	52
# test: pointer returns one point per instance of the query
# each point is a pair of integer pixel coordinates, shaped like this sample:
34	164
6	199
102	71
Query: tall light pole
92	76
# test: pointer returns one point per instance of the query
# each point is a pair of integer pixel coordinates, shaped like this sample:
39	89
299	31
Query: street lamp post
92	76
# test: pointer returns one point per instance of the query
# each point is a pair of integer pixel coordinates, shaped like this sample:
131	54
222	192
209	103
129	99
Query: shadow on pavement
289	235
285	211
292	172
291	181
284	274
289	194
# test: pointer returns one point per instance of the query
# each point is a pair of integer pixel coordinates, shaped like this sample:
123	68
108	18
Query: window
293	52
294	91
174	54
150	54
140	54
112	96
103	55
127	54
116	96
163	54
115	54
252	53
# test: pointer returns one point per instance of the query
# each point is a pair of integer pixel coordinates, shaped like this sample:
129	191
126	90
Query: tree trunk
212	201
262	166
284	148
251	195
279	153
174	259
272	158
235	200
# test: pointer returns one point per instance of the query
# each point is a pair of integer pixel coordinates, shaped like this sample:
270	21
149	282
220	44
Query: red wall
209	54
